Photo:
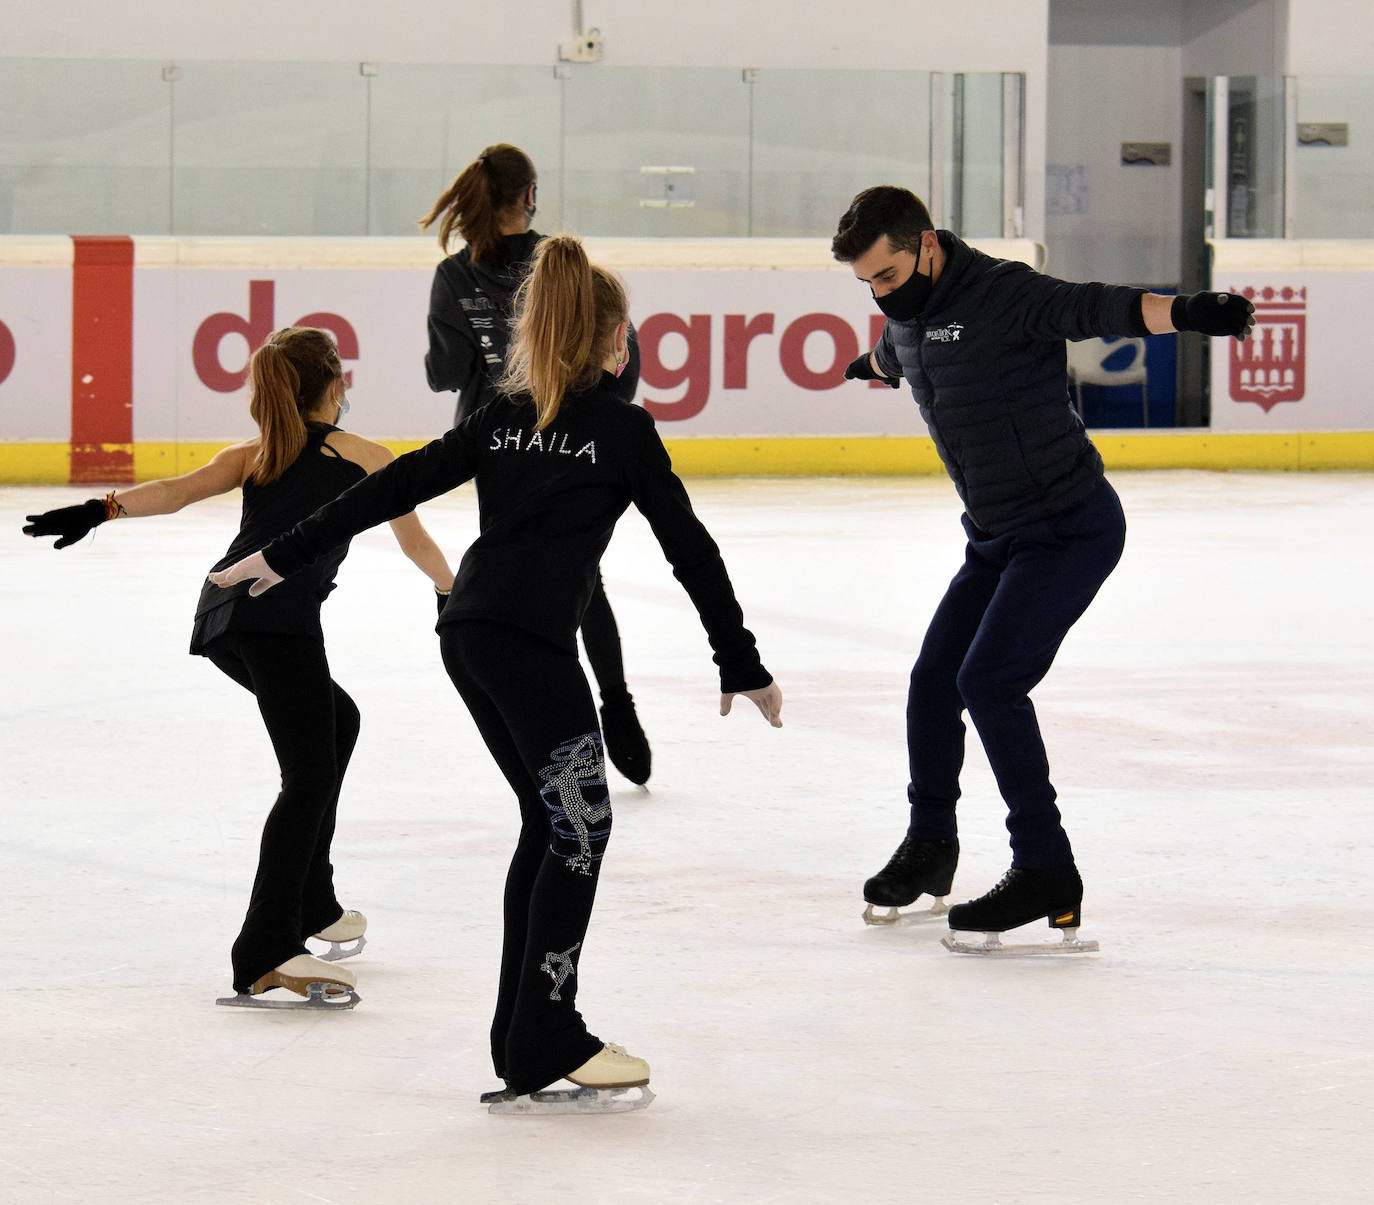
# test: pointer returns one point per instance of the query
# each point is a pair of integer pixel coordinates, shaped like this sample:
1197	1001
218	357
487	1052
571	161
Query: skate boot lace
1003	884
614	1048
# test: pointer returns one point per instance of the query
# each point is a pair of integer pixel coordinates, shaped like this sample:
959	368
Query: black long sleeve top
548	501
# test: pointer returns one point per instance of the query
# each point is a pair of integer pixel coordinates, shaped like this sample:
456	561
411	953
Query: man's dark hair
883	209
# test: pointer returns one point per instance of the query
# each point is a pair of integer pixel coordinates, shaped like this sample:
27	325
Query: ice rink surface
1210	725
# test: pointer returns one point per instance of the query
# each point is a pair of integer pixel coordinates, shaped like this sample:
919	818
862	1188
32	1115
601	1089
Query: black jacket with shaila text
548	502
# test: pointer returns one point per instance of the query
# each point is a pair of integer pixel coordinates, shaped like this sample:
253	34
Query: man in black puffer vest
980	341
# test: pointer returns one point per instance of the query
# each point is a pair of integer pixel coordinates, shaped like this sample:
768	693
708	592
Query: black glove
1213	314
442	597
69	522
862	370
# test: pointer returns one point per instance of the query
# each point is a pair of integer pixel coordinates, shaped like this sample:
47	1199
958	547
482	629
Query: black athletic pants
313	725
533	707
993	638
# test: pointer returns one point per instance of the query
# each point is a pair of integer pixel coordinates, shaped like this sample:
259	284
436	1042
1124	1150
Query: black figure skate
919	867
1024	895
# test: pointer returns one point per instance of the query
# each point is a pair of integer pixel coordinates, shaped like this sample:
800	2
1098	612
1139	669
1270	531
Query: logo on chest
945	334
544	443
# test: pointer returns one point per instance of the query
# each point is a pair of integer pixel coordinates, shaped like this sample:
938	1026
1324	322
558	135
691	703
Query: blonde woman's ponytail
566	313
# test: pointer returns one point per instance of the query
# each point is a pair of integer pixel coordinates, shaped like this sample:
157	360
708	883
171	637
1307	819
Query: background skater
491	205
274	646
980	341
556	465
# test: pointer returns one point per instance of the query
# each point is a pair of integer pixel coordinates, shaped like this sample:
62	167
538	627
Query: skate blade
890	916
556	1101
339	950
992	945
317	999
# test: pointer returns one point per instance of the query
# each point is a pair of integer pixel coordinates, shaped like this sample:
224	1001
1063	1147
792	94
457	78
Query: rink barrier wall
894	456
124	359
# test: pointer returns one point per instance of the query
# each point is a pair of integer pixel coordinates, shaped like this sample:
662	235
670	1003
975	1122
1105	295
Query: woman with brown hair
490	207
556	465
274	647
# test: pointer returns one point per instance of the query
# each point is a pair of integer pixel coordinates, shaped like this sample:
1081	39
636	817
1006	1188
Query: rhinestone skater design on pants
559	967
573	818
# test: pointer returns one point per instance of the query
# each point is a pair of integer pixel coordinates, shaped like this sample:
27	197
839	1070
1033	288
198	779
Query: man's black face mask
907	300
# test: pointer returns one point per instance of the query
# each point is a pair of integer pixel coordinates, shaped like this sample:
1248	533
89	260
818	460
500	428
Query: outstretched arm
225	471
1208	313
661	499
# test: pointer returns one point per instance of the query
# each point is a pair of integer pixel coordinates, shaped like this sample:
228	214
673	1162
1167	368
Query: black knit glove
441	597
862	370
71	523
1213	314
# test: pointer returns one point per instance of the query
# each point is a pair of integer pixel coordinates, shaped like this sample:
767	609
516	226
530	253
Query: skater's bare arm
71	524
225	472
768	700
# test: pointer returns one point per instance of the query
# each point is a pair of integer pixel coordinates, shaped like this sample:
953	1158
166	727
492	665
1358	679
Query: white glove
245	571
768	700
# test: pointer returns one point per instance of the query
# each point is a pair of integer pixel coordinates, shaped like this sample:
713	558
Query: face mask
344	408
908	300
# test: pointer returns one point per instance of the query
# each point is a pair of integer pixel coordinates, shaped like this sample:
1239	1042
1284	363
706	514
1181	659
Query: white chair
1086	358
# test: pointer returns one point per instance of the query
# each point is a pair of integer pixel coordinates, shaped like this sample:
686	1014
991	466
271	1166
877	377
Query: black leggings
314	726
534	710
601	639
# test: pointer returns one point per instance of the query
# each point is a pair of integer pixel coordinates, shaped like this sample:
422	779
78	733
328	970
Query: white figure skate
322	986
349	928
611	1081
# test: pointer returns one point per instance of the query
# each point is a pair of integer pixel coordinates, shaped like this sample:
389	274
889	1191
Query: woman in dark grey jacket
490	206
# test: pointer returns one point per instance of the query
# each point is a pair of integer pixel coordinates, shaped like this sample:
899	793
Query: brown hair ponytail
566	312
289	376
493	182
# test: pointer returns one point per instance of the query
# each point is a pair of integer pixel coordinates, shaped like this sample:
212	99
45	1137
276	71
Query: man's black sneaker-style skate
626	745
1024	895
919	867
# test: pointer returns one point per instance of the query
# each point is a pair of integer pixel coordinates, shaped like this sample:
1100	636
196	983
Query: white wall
1330	37
978	35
